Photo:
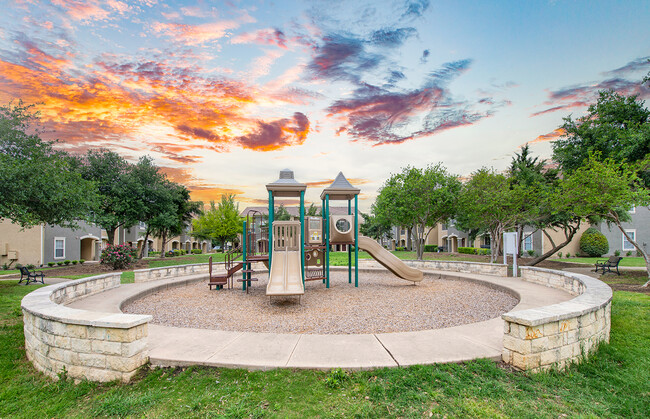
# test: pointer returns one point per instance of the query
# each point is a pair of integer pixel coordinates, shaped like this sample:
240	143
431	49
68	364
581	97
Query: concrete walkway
173	346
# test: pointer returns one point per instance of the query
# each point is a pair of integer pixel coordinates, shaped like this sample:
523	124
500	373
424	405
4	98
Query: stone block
549	357
566	352
121	335
525	362
76	331
132	348
551	328
123	364
506	356
106	347
517	345
545	343
534	332
92	360
96	333
80	345
62	342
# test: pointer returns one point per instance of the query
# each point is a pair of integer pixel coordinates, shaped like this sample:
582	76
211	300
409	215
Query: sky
225	94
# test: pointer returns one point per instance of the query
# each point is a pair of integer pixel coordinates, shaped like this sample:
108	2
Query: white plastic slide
389	260
285	277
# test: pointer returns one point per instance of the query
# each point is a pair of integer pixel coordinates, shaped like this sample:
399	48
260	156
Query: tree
313	211
281	214
419	200
490	203
221	222
528	172
175	216
373	227
616	127
38	184
606	191
118	191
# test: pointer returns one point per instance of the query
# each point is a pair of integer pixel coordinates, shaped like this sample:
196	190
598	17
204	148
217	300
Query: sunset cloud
625	80
551	136
277	134
268	36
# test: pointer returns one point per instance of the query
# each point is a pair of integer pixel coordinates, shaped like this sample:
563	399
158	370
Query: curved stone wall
495	269
82	344
557	335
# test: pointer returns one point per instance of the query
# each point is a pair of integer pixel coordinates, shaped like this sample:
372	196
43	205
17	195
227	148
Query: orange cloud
82	10
551	136
328	182
112	99
195	34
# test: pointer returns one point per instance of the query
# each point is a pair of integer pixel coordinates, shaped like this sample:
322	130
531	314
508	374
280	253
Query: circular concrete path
172	346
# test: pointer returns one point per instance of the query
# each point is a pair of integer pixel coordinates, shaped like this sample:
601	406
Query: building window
59	248
142	224
528	242
486	241
626	244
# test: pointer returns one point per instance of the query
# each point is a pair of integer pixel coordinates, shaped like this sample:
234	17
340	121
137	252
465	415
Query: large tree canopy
38	184
616	127
490	202
418	199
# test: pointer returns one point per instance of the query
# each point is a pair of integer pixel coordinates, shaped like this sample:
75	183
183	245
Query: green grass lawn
626	261
613	383
341	258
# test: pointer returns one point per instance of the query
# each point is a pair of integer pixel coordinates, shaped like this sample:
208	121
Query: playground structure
299	251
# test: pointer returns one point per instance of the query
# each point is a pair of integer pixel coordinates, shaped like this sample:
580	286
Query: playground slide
285	277
389	260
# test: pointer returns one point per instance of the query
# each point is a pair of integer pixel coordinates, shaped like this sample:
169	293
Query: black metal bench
30	276
609	264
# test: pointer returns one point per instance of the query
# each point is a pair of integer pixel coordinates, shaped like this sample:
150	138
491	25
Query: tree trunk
569	232
110	233
638	248
409	244
163	240
145	244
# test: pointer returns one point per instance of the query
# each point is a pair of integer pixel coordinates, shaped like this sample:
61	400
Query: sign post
510	243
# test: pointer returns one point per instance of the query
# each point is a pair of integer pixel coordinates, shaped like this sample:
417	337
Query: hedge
593	243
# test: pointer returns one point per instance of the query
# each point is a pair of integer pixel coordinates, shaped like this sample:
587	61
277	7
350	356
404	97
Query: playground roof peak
286	185
340	189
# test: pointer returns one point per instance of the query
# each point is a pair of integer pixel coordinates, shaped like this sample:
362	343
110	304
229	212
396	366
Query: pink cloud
267	36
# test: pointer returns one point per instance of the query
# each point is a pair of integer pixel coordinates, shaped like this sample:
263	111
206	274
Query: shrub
484	251
81	261
593	243
568	255
74	262
182	252
59	263
430	248
400	249
468	250
196	251
629	253
531	252
66	262
30	266
118	256
559	254
50	264
178	252
617	253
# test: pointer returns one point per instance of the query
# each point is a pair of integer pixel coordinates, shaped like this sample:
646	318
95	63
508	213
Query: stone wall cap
40	304
595	296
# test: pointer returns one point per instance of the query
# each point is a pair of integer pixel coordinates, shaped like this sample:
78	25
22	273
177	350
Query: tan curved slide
389	260
285	277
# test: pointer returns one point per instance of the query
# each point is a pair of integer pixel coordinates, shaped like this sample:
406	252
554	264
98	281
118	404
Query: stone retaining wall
557	335
82	344
495	269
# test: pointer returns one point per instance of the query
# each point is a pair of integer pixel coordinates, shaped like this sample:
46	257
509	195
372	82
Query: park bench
30	276
609	264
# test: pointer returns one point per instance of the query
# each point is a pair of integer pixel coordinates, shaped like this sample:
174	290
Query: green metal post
322	213
349	248
327	240
356	241
244	256
271	213
302	234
